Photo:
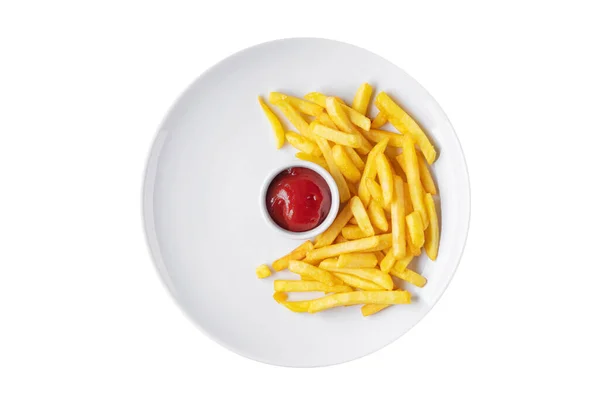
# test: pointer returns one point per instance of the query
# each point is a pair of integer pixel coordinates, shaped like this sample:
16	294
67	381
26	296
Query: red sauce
298	199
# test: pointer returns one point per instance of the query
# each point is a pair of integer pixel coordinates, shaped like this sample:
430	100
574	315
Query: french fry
374	275
401	264
356	282
410	276
341	120
356	160
345	164
415	229
353	298
339	137
372	243
362	98
308	286
303	144
386	178
326	120
405	124
280	297
379	120
262	271
375	191
275	123
353	232
328	263
388	261
334	170
408	208
306	278
355	117
296	119
297	306
409	155
297	254
318	274
357	260
327	237
340	239
432	233
370	171
376	136
425	174
379	256
370	309
377	216
304	106
398	220
360	213
313	159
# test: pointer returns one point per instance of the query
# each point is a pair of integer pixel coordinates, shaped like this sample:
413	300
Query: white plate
204	226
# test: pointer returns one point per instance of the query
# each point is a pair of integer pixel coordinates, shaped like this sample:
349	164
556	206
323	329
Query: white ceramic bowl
335	200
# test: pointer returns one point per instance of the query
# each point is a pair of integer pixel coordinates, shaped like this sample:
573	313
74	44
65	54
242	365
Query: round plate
204	225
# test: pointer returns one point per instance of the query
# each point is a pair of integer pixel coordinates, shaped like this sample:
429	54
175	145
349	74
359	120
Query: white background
84	85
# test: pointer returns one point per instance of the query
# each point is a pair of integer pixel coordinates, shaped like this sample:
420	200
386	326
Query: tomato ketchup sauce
298	199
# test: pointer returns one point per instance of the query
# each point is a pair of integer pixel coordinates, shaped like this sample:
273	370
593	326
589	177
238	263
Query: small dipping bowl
335	200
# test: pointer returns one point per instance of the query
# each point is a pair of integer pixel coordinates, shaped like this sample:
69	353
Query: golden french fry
388	261
302	268
341	120
306	278
340	239
362	98
375	191
295	119
357	260
401	264
411	164
297	306
356	282
345	164
334	170
313	159
308	286
339	137
370	171
327	237
398	220
410	276
353	298
360	213
370	309
425	174
280	297
415	229
328	263
374	275
379	121
297	254
304	106
356	160
355	117
432	233
386	178
326	120
377	216
372	243
405	124
262	271
353	232
376	136
303	144
275	123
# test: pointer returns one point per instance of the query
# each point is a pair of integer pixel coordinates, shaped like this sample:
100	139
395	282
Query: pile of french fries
389	213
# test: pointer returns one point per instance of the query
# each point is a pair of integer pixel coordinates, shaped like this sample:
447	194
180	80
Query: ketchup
298	199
